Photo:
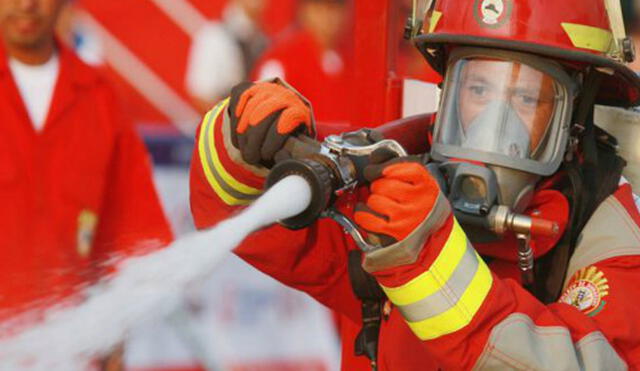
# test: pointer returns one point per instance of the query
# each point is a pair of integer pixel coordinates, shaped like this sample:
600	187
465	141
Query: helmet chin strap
586	137
585	180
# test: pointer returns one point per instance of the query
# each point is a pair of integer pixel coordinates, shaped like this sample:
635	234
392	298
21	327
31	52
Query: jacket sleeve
469	318
131	220
313	260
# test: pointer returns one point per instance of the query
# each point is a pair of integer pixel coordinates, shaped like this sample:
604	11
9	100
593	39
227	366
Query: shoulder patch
587	290
610	232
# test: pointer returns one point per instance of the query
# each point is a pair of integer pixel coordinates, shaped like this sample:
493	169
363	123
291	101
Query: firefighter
464	284
75	178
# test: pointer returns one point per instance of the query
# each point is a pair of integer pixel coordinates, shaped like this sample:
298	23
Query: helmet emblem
492	13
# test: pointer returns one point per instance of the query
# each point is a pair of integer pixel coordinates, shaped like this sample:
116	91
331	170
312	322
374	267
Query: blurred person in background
310	58
222	53
75	179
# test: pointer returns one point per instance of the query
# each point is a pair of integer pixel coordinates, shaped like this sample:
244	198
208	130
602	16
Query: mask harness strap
591	178
372	298
589	146
580	182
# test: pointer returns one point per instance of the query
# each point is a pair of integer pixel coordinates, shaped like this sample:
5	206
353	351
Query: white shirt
36	84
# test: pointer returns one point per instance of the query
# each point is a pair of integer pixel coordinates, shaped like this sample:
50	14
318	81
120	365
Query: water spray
150	286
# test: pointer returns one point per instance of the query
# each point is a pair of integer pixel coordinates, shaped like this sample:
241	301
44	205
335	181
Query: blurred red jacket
72	196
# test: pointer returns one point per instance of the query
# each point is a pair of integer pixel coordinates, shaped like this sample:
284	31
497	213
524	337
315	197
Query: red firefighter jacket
461	312
72	195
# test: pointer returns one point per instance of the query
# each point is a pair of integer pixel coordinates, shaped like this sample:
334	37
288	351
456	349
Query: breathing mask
503	124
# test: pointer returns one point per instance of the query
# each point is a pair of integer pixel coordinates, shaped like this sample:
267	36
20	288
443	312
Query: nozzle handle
351	228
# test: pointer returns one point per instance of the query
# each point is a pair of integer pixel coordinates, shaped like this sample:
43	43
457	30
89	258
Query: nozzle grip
301	146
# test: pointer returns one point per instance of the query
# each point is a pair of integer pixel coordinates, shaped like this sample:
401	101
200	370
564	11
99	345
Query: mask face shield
505	109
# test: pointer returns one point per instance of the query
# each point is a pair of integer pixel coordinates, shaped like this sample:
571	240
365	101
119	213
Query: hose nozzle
330	168
321	180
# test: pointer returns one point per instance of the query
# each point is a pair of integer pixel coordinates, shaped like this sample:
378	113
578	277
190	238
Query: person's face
530	93
28	23
325	19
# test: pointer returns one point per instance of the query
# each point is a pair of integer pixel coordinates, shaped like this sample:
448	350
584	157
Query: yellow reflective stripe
435	18
458	298
240	187
207	139
461	314
228	199
588	37
438	274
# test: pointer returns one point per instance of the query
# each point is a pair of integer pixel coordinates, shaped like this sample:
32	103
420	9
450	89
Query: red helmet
577	33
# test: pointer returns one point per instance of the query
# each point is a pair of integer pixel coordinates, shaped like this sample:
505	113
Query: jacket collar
74	71
74	77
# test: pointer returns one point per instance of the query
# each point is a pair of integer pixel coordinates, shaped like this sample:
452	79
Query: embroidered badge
492	13
586	291
87	222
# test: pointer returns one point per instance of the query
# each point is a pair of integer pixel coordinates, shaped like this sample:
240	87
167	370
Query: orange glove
263	115
403	193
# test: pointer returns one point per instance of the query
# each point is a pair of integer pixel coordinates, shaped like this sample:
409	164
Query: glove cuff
407	251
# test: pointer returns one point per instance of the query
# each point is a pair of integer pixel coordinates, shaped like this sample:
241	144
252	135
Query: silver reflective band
611	232
517	343
450	293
